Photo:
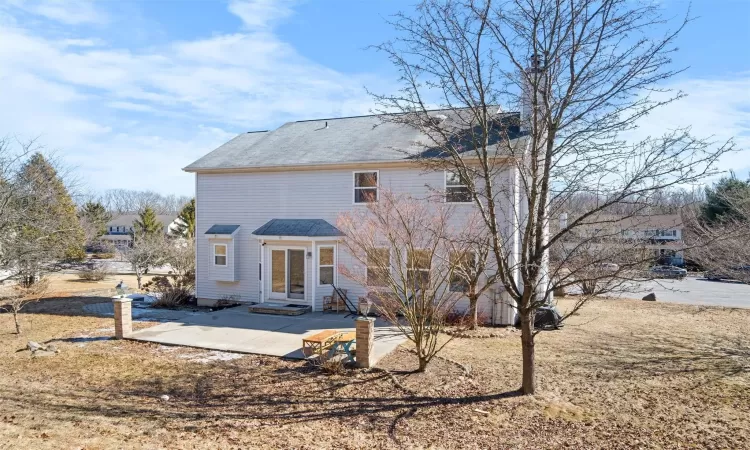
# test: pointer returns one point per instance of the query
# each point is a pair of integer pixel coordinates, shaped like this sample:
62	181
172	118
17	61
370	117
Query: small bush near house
171	290
462	319
93	273
332	365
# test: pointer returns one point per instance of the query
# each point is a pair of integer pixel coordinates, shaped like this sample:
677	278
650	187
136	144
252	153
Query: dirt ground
622	374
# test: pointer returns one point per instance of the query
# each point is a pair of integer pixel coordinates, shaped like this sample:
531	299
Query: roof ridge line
385	114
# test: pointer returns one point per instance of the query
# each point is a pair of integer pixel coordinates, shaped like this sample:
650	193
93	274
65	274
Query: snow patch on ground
212	356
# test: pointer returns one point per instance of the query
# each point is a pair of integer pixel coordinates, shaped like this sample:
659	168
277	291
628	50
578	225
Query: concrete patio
237	330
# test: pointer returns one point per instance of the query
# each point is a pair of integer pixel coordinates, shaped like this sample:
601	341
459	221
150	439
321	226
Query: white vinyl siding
252	199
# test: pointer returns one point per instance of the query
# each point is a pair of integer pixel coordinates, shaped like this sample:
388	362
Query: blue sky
129	92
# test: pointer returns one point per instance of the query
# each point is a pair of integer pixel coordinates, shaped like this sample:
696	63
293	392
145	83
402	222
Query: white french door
287	273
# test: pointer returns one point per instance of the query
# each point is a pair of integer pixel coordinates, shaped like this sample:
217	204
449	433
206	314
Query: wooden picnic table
345	341
319	342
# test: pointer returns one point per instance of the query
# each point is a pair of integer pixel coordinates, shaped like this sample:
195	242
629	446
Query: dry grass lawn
69	283
622	374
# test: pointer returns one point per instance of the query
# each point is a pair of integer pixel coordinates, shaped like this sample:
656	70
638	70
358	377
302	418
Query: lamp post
364	307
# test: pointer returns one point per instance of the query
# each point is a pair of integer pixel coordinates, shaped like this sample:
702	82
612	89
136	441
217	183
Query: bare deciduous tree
582	73
402	246
126	201
473	276
721	247
145	253
15	297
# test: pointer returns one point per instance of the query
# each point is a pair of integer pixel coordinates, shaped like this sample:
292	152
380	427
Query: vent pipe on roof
326	125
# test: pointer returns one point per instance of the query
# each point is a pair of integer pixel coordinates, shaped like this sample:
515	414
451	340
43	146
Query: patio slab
237	330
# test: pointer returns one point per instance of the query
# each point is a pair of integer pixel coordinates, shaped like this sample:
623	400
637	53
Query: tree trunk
473	313
138	278
422	363
528	386
15	320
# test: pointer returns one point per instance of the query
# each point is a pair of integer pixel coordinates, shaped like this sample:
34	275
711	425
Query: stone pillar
365	341
123	317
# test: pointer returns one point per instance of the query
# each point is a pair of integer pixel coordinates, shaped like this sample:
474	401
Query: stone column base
365	327
123	317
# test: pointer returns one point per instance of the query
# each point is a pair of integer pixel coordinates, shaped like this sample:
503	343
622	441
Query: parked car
668	272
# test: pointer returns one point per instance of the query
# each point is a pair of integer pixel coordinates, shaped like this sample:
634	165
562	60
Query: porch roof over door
310	228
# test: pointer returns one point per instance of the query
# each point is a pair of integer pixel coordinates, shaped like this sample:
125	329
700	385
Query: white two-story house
267	204
120	228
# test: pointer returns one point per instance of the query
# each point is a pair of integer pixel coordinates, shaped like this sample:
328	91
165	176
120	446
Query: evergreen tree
724	200
95	216
186	221
49	230
147	224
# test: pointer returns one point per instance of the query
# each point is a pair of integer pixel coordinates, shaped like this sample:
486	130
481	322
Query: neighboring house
660	233
267	204
121	226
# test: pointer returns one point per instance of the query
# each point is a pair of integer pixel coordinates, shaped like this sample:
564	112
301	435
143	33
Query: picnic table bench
344	342
318	343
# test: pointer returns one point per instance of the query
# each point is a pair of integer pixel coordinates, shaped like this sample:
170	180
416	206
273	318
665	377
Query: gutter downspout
313	273
262	245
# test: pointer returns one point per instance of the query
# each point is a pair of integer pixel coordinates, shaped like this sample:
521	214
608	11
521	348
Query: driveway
237	330
696	291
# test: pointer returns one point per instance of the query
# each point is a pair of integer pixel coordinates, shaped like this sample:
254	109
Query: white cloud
69	12
257	14
134	117
717	108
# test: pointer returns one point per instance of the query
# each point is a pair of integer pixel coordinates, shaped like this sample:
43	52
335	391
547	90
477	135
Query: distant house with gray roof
267	202
120	227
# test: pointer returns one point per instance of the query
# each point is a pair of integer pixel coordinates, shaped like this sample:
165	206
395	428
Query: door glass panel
278	271
297	274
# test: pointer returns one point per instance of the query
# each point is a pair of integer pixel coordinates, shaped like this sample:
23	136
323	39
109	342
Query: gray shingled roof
222	229
324	141
298	227
228	154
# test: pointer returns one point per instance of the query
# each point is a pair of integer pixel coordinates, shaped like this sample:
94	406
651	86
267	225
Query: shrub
171	290
460	318
93	273
330	364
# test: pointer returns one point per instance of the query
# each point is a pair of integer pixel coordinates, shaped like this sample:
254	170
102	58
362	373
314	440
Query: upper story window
220	254
456	188
366	187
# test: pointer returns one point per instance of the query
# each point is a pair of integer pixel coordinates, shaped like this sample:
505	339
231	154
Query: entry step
278	309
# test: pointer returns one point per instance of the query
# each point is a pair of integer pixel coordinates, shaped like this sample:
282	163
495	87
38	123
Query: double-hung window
456	188
220	254
418	269
366	187
464	266
325	265
378	266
